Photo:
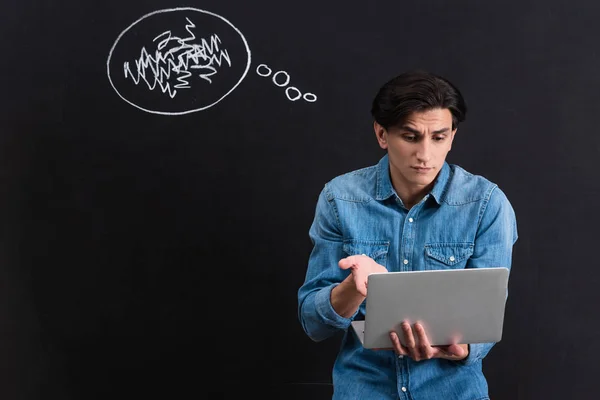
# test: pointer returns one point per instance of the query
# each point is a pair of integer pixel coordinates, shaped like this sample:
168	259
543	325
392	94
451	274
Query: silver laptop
454	306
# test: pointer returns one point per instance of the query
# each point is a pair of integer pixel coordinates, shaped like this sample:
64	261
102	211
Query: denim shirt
466	221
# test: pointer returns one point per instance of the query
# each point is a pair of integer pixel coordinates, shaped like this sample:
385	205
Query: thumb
456	350
361	287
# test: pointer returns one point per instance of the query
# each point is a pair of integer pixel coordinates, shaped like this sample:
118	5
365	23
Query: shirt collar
441	183
384	183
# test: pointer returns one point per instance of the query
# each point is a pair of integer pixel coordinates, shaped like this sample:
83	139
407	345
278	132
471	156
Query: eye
439	138
410	138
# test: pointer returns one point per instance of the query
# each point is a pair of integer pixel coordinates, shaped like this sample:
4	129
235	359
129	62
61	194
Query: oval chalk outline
171	10
288	95
267	67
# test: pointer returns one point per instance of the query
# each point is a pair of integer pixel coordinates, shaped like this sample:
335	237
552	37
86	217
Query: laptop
454	306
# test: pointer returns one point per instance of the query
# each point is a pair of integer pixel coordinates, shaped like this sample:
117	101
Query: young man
387	217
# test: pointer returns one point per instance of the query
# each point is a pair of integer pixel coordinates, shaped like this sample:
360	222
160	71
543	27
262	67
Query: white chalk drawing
264	71
178	65
192	61
204	56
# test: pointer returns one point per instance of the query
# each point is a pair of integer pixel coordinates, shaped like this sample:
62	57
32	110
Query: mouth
422	170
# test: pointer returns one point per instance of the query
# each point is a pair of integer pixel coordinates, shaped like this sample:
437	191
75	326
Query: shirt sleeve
317	316
496	236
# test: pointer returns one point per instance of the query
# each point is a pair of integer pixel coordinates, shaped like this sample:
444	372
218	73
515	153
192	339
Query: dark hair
416	91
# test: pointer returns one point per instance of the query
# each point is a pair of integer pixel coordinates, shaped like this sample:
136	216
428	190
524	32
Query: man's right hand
361	267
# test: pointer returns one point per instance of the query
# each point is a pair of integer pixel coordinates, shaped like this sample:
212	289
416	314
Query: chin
422	181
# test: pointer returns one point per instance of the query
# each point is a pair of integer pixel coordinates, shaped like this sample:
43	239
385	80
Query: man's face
417	149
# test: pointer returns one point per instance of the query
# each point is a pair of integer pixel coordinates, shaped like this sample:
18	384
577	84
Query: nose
424	151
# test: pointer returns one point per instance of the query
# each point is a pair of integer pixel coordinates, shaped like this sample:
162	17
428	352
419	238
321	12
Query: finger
424	345
409	339
450	351
351	261
398	347
456	350
346	263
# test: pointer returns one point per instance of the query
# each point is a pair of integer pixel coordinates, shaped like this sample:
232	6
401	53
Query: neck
410	195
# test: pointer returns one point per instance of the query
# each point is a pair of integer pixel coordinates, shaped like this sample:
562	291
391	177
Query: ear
381	134
452	138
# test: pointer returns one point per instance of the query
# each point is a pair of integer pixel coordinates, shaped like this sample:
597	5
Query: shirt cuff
474	352
326	311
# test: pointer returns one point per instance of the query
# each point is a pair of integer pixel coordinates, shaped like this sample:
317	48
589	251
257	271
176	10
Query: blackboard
153	242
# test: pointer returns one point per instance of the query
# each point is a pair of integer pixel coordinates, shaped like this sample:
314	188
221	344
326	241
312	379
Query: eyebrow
416	132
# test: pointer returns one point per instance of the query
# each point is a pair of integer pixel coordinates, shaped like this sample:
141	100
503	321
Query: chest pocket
376	249
447	255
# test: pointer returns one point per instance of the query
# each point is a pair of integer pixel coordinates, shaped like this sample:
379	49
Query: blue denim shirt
466	221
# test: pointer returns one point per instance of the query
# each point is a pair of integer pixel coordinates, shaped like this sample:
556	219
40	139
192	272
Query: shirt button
452	258
410	220
405	262
403	389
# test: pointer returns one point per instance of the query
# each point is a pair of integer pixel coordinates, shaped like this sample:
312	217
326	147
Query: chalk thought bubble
178	61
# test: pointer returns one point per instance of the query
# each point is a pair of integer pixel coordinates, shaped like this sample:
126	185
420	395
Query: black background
147	255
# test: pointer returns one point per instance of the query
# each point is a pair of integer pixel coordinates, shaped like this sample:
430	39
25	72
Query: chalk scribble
178	60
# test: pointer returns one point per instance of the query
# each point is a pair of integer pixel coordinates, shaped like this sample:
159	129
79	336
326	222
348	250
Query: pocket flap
372	248
449	253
